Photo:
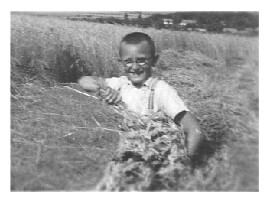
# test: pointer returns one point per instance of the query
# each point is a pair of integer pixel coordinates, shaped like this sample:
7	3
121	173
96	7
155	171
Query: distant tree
100	20
139	20
126	20
159	24
140	15
157	21
214	27
212	21
191	25
126	16
175	27
110	20
177	18
145	23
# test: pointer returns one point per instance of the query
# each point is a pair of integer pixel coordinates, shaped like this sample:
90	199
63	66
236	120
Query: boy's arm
170	102
192	131
93	84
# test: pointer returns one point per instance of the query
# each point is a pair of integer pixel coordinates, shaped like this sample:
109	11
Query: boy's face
137	60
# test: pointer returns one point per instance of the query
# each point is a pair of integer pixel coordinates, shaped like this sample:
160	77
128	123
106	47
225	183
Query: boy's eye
129	64
141	62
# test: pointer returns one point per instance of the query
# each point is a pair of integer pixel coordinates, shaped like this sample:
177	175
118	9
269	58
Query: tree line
212	21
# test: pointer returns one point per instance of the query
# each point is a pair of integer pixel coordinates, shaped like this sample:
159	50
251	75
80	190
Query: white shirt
165	99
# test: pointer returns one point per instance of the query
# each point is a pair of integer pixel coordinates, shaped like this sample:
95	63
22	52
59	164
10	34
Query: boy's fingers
118	99
107	91
114	96
110	95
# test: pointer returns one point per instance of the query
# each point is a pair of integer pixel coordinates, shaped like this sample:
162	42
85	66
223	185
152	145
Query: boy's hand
92	83
111	96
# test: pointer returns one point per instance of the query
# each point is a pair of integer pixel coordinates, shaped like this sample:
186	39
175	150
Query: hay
151	155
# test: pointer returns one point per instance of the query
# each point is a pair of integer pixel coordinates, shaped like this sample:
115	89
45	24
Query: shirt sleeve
113	83
168	100
116	83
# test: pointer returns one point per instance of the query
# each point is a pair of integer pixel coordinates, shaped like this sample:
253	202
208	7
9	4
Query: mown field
62	140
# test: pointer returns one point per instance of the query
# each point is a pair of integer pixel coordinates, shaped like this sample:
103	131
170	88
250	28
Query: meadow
62	140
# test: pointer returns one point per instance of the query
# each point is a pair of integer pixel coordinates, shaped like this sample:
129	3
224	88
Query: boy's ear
156	59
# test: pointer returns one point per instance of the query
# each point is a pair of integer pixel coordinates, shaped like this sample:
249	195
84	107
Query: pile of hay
151	155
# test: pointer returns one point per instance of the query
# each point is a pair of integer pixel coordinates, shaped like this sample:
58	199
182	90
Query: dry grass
56	143
149	152
62	140
71	49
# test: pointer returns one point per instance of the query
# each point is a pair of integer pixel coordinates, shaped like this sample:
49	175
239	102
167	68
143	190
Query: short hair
136	38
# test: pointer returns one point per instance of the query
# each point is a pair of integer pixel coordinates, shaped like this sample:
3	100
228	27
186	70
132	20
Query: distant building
229	30
168	21
186	22
201	30
222	23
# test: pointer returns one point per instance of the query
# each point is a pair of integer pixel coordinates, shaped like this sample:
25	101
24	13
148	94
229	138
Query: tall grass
71	49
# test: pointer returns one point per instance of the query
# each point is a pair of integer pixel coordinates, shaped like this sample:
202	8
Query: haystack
151	155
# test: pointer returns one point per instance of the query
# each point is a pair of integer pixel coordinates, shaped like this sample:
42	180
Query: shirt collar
146	83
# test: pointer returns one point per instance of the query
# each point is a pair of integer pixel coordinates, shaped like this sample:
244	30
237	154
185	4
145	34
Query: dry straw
151	156
150	151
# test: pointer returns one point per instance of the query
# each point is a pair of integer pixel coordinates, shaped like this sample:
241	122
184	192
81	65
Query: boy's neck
139	85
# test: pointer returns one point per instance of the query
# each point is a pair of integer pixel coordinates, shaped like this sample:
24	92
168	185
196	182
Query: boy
137	53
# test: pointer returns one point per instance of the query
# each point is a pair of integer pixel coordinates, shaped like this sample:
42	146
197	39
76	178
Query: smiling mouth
136	72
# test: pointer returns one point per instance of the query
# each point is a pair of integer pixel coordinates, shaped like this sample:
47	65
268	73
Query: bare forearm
91	83
194	139
192	131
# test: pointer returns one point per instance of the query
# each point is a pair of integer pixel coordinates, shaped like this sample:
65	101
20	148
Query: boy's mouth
136	72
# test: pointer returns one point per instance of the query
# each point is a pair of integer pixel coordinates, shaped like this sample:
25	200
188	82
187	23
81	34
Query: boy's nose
134	65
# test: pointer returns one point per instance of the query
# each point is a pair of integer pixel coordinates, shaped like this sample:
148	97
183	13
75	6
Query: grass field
56	140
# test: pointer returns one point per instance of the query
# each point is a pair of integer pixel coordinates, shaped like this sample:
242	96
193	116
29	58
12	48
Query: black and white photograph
134	101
